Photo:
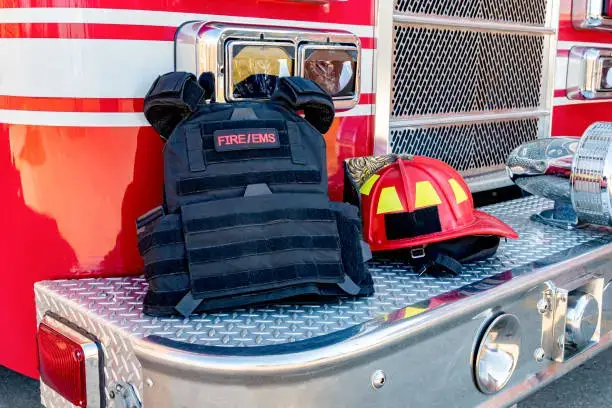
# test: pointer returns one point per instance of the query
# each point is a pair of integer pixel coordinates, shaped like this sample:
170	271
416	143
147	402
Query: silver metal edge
549	67
341	102
455	23
588	15
90	354
488	181
546	376
383	75
469	118
372	338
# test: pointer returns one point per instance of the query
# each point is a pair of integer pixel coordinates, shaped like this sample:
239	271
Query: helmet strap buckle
417	253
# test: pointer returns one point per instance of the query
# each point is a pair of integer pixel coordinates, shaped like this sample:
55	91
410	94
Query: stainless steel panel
514	11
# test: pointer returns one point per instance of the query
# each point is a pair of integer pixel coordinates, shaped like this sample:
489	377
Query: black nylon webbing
261	246
205	183
157	238
265	278
193	139
231	220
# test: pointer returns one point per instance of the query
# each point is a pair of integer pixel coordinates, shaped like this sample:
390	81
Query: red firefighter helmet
414	201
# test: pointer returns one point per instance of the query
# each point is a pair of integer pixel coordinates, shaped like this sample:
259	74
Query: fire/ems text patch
245	139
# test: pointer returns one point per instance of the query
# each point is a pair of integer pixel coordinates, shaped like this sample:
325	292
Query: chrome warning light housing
589	74
247	60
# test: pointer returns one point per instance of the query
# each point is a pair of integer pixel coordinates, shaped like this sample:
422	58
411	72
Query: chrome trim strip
452	22
91	355
373	337
488	181
468	118
549	66
383	75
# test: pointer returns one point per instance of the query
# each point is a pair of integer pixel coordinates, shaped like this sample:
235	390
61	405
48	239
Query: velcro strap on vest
232	212
210	183
172	97
260	242
304	94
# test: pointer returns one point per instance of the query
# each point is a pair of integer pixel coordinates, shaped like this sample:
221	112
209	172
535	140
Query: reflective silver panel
497	353
588	73
515	11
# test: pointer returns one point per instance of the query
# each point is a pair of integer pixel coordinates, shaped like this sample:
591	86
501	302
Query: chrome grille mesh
490	72
441	71
482	146
514	11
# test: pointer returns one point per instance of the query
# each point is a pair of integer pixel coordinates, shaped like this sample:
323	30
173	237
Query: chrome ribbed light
591	171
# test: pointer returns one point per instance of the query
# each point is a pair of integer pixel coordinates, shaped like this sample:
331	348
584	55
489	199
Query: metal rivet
378	379
149	382
539	354
543	306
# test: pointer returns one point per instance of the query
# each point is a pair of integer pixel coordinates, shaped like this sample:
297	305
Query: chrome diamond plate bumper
111	309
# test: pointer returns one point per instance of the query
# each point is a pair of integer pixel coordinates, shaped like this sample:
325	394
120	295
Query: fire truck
466	82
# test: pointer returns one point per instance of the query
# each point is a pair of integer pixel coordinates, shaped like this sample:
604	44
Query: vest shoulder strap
304	94
171	98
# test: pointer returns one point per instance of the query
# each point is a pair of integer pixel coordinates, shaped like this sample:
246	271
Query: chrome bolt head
378	379
539	354
543	306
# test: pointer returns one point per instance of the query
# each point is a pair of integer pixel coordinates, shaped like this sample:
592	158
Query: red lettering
257	138
271	138
221	140
234	139
242	139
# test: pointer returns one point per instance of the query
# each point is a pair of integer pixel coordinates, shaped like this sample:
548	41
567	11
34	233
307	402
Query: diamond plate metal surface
470	148
443	71
511	11
111	308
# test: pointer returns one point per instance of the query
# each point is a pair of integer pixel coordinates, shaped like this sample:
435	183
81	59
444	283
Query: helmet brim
482	224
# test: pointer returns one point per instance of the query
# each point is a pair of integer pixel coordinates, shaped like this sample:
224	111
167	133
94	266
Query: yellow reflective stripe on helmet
460	195
426	195
367	186
389	201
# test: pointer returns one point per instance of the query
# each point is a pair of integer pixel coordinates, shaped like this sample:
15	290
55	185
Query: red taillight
62	364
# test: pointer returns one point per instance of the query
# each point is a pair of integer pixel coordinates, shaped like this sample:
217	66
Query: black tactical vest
246	217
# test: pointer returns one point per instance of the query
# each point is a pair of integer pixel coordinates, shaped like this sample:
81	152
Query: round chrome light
497	353
582	319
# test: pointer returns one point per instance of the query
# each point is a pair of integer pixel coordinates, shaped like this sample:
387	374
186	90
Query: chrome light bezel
584	73
498	322
339	101
588	15
201	47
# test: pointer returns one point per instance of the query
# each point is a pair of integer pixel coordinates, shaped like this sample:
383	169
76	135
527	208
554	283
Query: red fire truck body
79	162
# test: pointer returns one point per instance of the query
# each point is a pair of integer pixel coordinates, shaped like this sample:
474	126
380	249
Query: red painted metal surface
71	192
572	119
